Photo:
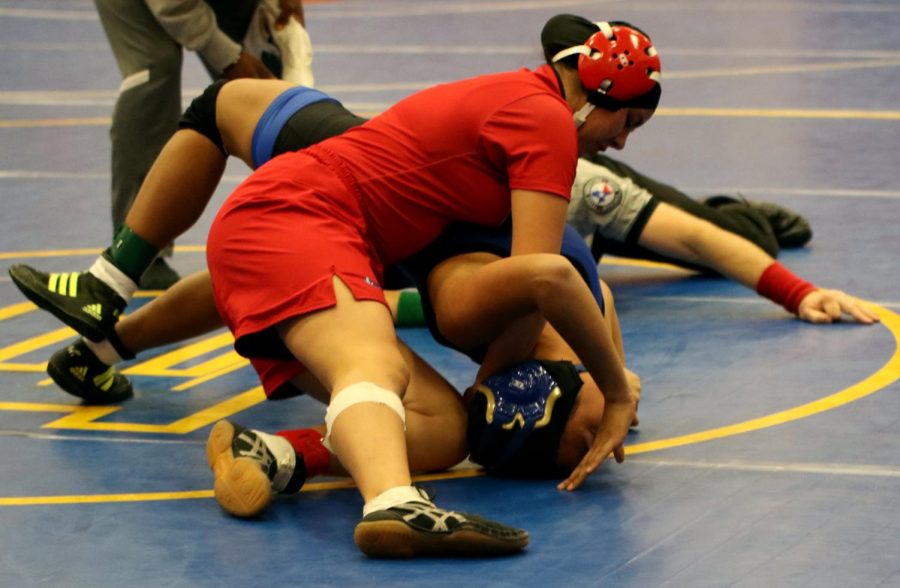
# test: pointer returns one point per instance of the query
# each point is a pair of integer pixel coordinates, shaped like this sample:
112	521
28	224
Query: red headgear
618	61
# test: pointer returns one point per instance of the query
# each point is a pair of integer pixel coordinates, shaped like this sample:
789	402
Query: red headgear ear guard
618	61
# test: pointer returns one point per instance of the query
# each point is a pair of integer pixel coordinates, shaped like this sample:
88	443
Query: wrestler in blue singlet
461	238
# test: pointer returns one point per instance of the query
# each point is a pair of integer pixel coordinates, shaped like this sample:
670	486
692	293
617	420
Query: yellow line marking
104	498
14	310
611	260
728	72
32	344
224	409
781	113
75	252
84	418
36	407
211	376
887	375
162	364
31	368
55	122
195	494
48	253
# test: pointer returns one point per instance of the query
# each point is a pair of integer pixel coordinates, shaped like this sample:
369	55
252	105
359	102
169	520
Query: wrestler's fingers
832	307
815	316
859	311
588	464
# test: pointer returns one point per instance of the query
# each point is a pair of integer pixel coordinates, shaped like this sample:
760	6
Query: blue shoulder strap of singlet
574	248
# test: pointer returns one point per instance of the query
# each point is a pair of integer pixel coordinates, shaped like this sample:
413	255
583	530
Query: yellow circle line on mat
887	375
194	494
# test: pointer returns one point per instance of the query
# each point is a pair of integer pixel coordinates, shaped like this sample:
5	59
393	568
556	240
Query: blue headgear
517	417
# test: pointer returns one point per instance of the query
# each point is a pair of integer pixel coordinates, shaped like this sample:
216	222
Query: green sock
409	309
130	253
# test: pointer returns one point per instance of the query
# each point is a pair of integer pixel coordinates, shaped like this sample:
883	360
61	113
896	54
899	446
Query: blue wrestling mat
767	453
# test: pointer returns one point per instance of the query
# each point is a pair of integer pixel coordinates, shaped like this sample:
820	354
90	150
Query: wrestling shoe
419	528
80	300
159	276
791	229
246	471
78	371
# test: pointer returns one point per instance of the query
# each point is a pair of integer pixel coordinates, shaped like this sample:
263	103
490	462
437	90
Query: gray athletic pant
738	218
149	104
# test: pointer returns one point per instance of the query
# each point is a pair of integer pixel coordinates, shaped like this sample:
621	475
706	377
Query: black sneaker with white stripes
244	470
80	300
419	528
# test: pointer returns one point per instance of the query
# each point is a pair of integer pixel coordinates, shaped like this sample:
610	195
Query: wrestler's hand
634	385
617	418
287	9
247	66
827	306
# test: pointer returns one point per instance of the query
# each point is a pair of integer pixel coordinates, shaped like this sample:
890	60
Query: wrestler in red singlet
366	199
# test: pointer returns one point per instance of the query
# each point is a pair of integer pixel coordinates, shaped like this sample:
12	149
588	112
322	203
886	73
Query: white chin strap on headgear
582	113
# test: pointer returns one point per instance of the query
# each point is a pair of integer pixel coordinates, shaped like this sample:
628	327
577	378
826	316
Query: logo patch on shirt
602	194
371	282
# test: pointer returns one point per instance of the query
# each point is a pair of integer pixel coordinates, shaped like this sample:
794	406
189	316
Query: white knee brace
357	394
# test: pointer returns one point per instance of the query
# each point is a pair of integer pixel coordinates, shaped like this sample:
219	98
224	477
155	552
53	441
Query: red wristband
780	285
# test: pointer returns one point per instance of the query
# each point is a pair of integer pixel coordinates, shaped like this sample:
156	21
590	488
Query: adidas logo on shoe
79	372
94	310
82	301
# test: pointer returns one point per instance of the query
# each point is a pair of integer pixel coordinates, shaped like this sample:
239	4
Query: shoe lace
246	444
427	514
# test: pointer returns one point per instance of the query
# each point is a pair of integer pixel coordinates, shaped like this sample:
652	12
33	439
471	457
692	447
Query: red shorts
274	374
276	244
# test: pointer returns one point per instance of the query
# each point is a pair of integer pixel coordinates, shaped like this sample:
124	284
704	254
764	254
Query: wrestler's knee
200	116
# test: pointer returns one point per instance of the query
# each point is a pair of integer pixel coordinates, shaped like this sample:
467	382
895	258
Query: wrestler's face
604	129
578	436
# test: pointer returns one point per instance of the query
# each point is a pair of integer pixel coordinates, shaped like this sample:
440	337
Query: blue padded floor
767	453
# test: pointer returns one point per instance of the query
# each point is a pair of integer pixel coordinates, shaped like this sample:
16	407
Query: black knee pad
200	116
